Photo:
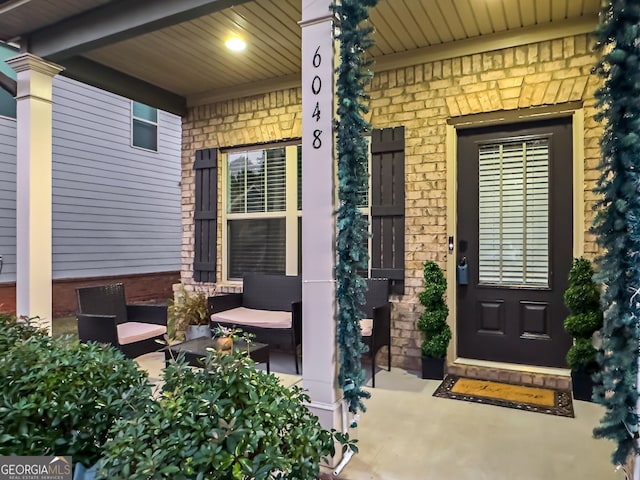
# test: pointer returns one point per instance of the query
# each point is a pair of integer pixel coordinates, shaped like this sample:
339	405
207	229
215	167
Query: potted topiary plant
582	298
188	315
433	322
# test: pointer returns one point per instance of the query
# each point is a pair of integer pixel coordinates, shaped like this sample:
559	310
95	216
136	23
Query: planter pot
197	331
224	344
432	368
582	385
80	472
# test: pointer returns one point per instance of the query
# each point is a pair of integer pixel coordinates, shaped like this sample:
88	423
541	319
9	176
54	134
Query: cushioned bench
104	317
270	307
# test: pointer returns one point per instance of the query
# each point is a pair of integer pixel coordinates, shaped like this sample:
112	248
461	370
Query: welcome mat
530	399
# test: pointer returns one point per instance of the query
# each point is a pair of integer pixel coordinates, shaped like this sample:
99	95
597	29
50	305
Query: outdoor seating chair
104	317
269	307
376	326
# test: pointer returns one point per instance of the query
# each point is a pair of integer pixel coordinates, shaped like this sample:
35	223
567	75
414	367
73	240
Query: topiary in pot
60	397
433	321
582	298
224	421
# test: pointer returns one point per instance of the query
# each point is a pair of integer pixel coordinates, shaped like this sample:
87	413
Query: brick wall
422	98
156	287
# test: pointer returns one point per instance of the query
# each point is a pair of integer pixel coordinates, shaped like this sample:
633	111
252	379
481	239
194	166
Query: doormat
529	399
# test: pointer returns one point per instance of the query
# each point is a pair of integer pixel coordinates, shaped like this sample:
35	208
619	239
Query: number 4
316	112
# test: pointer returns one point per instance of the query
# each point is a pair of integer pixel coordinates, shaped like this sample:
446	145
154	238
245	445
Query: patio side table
195	351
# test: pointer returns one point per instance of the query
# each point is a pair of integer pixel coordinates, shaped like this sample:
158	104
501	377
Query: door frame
574	110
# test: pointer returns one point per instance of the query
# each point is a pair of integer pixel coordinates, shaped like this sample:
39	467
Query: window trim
156	124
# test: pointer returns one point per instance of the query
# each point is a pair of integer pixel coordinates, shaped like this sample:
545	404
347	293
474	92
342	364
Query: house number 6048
316	87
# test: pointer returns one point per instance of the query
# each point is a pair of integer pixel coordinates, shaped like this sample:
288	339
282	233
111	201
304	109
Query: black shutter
387	206
205	215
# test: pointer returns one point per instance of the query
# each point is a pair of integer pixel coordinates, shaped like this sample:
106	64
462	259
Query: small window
144	126
7	102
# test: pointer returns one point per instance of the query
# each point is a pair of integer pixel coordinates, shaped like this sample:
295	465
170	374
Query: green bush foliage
60	397
580	354
433	321
225	421
582	298
582	325
13	331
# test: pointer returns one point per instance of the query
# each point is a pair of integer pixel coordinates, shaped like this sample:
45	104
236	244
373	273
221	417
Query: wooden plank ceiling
190	58
195	55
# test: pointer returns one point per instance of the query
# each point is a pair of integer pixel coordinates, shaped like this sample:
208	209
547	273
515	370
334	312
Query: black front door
515	237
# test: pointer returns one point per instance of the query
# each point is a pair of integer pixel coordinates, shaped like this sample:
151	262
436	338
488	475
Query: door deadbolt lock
463	271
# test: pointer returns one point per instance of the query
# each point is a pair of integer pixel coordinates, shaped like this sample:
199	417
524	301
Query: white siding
8	198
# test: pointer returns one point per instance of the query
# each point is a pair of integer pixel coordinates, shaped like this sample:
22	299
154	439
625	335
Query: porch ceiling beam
98	75
115	22
7	83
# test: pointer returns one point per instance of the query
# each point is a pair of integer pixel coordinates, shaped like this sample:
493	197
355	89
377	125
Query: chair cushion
366	325
130	332
253	317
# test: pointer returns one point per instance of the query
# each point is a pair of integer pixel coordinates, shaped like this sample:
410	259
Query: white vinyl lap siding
116	209
8	198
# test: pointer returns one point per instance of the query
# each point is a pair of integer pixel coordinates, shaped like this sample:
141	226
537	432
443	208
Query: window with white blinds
256	211
257	181
262	224
514	213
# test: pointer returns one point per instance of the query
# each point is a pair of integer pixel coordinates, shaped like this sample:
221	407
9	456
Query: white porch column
319	360
33	186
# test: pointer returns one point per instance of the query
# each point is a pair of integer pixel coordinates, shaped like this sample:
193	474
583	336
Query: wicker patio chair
104	317
376	327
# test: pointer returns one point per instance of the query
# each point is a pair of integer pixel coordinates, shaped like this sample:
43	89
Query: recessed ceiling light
236	44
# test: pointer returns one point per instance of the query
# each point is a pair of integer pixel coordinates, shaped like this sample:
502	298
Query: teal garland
617	223
352	147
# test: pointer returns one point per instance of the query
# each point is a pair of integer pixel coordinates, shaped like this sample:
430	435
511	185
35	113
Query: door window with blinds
257	209
514	213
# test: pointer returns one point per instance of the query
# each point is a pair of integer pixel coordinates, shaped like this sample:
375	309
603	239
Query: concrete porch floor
407	434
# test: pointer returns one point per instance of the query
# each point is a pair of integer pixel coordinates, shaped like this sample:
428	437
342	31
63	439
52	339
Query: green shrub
225	421
582	298
59	397
582	325
433	321
581	354
13	331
